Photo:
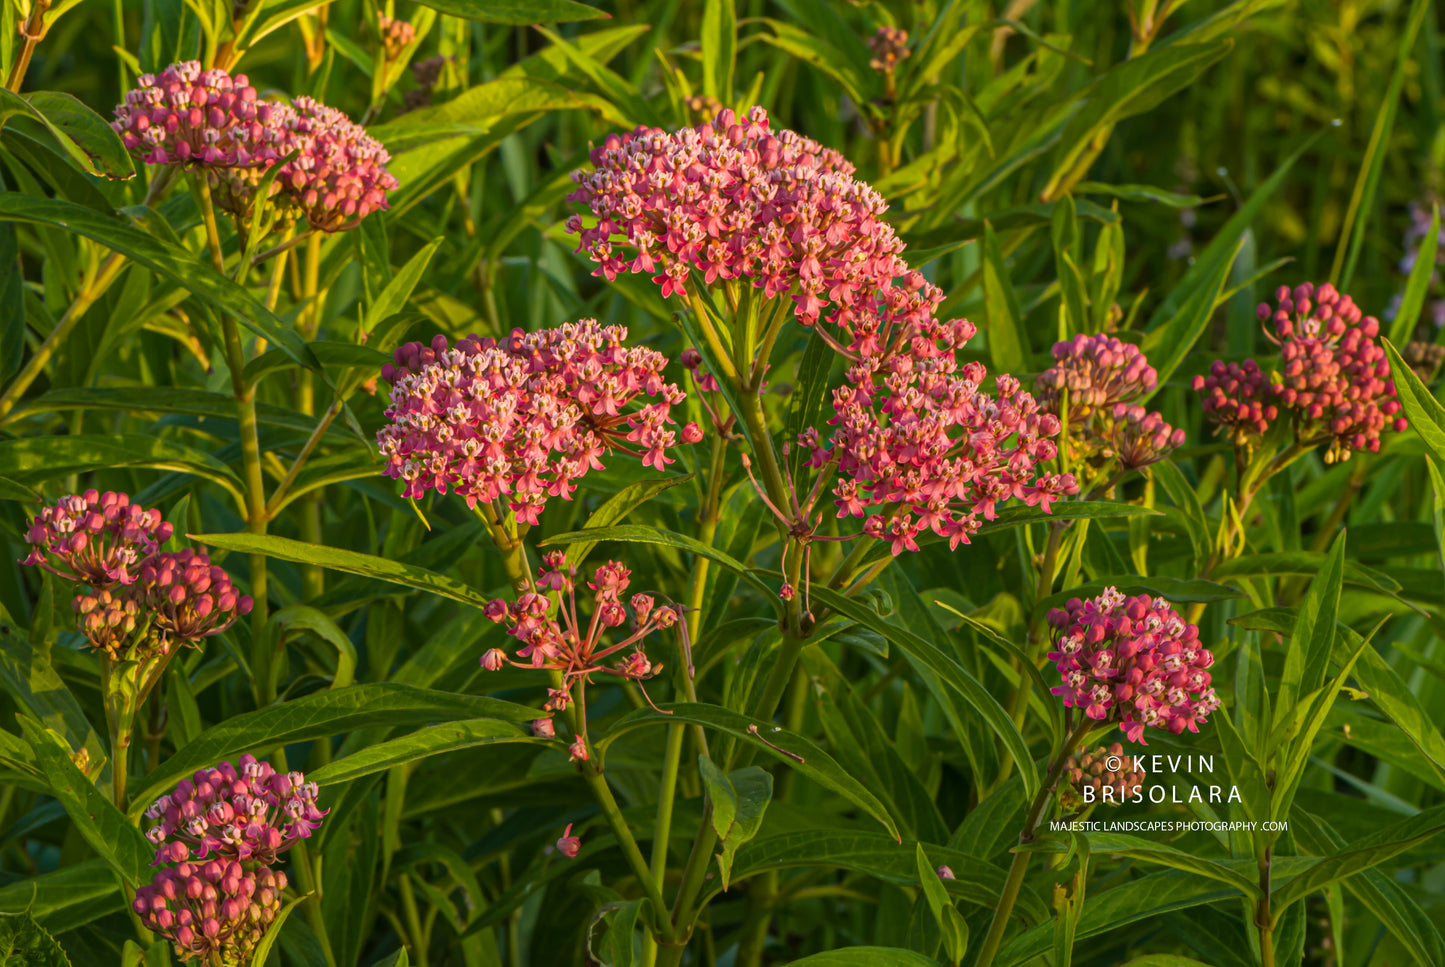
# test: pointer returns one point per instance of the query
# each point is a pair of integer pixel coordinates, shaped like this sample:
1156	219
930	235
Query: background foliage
1188	158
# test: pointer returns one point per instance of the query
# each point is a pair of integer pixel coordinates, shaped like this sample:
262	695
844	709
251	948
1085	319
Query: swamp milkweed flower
251	814
209	121
1134	662
215	912
521	419
136	601
1099	379
553	636
1091	770
1333	384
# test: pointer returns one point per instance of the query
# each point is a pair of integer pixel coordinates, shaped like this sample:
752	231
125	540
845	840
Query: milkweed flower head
395	34
1099	380
208	120
521	419
918	445
197	118
554	635
95	539
1134	662
250	814
214	912
731	199
1097	769
188	598
1333	383
889	46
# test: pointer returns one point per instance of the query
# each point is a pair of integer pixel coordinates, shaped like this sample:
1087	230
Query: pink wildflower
251	814
95	539
1333	384
214	912
1132	661
557	638
569	845
339	176
187	116
522	419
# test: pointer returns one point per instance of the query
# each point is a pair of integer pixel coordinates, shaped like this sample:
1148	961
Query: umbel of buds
1087	774
1099	379
889	45
554	635
136	601
395	35
223	829
1333	382
214	913
1134	662
211	121
521	419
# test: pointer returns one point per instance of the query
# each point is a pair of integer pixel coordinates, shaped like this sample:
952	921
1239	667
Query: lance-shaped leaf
950	922
739	799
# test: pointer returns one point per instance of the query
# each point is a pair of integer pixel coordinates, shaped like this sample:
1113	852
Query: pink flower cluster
395	35
1132	661
1333	383
554	638
136	601
210	120
1099	378
214	913
731	199
250	814
523	418
223	829
95	539
919	446
889	46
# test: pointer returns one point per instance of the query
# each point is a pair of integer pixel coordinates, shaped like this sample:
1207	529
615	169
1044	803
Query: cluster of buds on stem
1099	380
1134	662
889	46
223	829
553	637
1333	384
395	34
1103	768
135	602
521	419
209	121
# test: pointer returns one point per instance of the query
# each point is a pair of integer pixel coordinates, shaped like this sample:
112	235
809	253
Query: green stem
513	551
308	883
1263	918
628	842
413	921
1020	863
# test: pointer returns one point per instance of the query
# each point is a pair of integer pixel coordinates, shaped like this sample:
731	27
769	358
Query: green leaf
719	49
788	748
424	742
393	298
1362	199
518	12
620	934
1008	344
1141	193
349	562
24	943
1172	341
81	133
45	458
1426	415
1132	87
952	925
1363	854
1304	564
165	259
1307	656
1056	721
739	800
866	957
67	898
641	534
318	716
273	931
947	668
878	856
299	617
103	826
1134	847
476	111
333	354
1419	285
1187	500
173	399
618	506
822	55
